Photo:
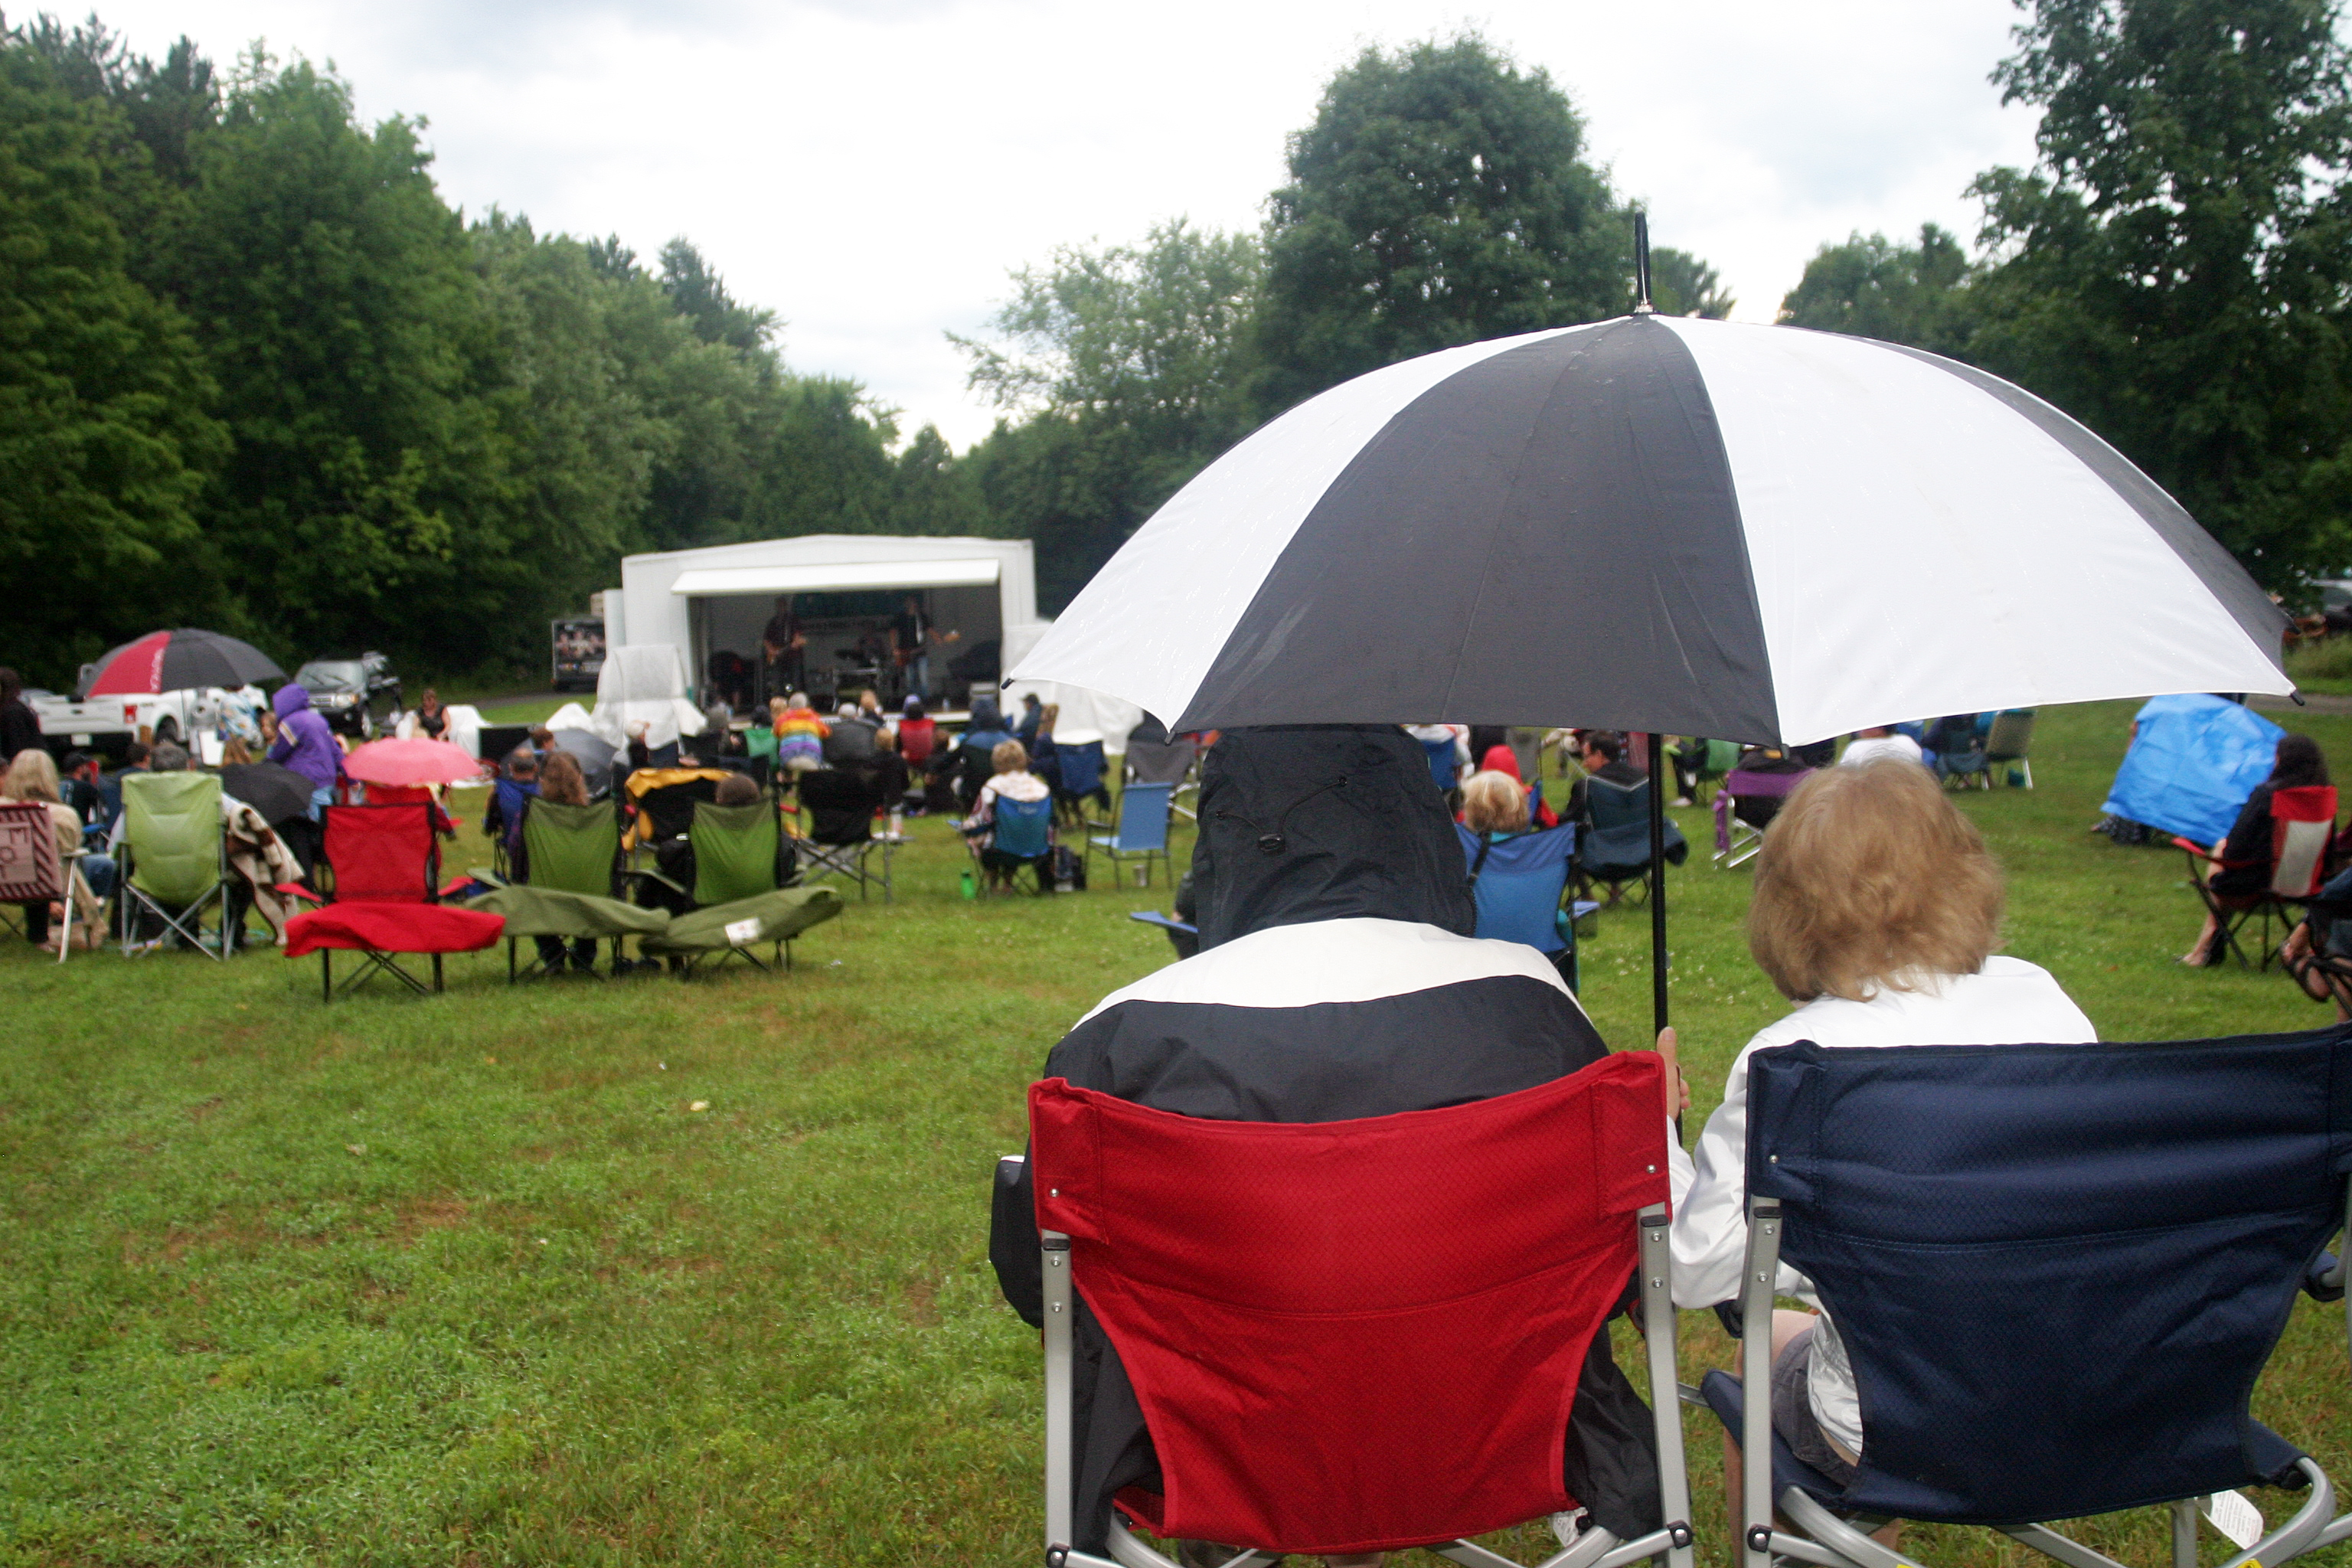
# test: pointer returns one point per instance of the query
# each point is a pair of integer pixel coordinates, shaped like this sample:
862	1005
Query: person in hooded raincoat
1337	978
306	745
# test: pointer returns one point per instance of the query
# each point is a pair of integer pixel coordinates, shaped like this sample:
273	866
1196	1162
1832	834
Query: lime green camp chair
736	882
174	857
572	853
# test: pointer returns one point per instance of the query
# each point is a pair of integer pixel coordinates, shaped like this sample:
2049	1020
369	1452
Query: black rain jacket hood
1324	821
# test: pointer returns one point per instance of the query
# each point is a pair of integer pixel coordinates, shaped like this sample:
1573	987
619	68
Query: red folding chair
2303	825
1355	1336
380	866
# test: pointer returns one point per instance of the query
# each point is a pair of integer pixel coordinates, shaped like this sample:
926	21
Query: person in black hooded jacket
1337	978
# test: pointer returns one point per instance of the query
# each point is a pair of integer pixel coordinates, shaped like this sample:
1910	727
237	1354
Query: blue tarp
2193	763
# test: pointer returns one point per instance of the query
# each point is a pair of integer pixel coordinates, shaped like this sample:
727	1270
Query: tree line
258	375
255	376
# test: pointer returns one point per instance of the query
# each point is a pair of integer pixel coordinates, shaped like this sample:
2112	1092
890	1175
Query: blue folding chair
2057	1272
1444	767
1518	883
1024	829
1141	832
1616	854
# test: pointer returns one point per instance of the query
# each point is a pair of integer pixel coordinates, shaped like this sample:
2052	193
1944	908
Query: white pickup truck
108	725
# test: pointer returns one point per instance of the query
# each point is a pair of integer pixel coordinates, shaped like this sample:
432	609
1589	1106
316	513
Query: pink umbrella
415	761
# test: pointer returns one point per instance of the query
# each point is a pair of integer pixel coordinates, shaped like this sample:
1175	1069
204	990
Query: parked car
107	725
357	696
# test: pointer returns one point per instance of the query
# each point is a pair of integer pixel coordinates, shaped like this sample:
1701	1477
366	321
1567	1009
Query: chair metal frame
1739	841
2271	903
1596	1548
1830	1542
130	899
1115	849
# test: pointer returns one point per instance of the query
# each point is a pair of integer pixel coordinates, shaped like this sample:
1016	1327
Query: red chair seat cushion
1355	1335
392	927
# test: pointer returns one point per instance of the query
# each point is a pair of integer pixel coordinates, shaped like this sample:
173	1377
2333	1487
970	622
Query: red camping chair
2303	826
382	865
1352	1336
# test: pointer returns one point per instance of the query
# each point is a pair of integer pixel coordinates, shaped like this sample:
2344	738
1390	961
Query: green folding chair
740	898
572	853
174	857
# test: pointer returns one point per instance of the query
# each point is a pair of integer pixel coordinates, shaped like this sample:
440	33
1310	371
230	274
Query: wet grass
469	1280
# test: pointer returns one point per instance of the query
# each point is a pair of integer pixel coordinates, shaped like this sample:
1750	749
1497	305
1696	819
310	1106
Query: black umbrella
277	793
179	661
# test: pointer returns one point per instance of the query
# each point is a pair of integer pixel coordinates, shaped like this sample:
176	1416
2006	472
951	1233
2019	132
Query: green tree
2177	268
700	296
1872	287
105	440
370	498
933	493
1132	364
1683	285
1441	196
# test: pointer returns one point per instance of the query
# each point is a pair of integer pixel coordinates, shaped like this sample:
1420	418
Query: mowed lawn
469	1280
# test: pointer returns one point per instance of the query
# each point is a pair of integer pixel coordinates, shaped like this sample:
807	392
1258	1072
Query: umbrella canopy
278	794
178	661
594	752
1704	528
412	762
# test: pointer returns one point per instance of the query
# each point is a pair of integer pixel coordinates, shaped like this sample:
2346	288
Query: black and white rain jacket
1337	979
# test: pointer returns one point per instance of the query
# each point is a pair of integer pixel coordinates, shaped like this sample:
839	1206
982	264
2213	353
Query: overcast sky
872	171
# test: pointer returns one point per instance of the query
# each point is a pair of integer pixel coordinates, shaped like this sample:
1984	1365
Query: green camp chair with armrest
740	865
2011	740
572	857
174	857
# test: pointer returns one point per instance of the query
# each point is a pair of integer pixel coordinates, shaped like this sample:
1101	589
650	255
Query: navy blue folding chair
1140	832
1615	855
1518	883
2057	1272
1080	766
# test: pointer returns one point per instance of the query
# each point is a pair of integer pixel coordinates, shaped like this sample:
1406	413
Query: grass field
469	1280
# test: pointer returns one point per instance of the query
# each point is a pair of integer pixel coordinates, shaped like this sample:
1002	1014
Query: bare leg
1786	1326
2200	949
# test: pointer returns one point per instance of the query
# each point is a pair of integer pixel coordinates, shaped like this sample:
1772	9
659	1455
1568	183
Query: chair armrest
484	874
2324	1280
678	888
297	891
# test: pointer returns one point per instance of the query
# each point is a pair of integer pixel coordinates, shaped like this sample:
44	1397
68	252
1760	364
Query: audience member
1493	804
1880	741
1601	754
235	752
542	739
1876	912
561	782
1025	729
850	744
800	734
735	789
2245	855
1502	759
1011	780
305	745
20	727
432	718
976	751
1335	944
32	779
510	796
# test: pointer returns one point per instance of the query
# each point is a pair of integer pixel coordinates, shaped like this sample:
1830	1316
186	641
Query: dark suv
357	696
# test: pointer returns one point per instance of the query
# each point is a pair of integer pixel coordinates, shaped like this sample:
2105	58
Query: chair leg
437	975
327	975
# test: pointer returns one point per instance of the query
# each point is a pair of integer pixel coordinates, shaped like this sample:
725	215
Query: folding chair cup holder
1831	1201
1475	1306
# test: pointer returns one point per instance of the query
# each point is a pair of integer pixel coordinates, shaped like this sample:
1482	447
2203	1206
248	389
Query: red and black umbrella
176	661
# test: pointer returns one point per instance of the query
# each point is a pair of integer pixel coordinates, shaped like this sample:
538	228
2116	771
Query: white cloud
871	169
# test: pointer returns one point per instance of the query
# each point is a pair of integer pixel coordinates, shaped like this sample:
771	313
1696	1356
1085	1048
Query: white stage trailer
846	586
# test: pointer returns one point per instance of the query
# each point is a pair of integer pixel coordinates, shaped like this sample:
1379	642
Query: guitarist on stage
912	637
782	645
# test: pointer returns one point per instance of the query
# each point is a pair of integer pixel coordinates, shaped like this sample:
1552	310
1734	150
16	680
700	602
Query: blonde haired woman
32	779
1877	908
1494	802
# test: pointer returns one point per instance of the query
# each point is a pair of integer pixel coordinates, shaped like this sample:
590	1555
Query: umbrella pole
1657	884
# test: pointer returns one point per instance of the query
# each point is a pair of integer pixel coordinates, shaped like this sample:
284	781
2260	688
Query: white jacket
2009	1002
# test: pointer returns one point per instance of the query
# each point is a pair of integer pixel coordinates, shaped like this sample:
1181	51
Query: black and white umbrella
1653	523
